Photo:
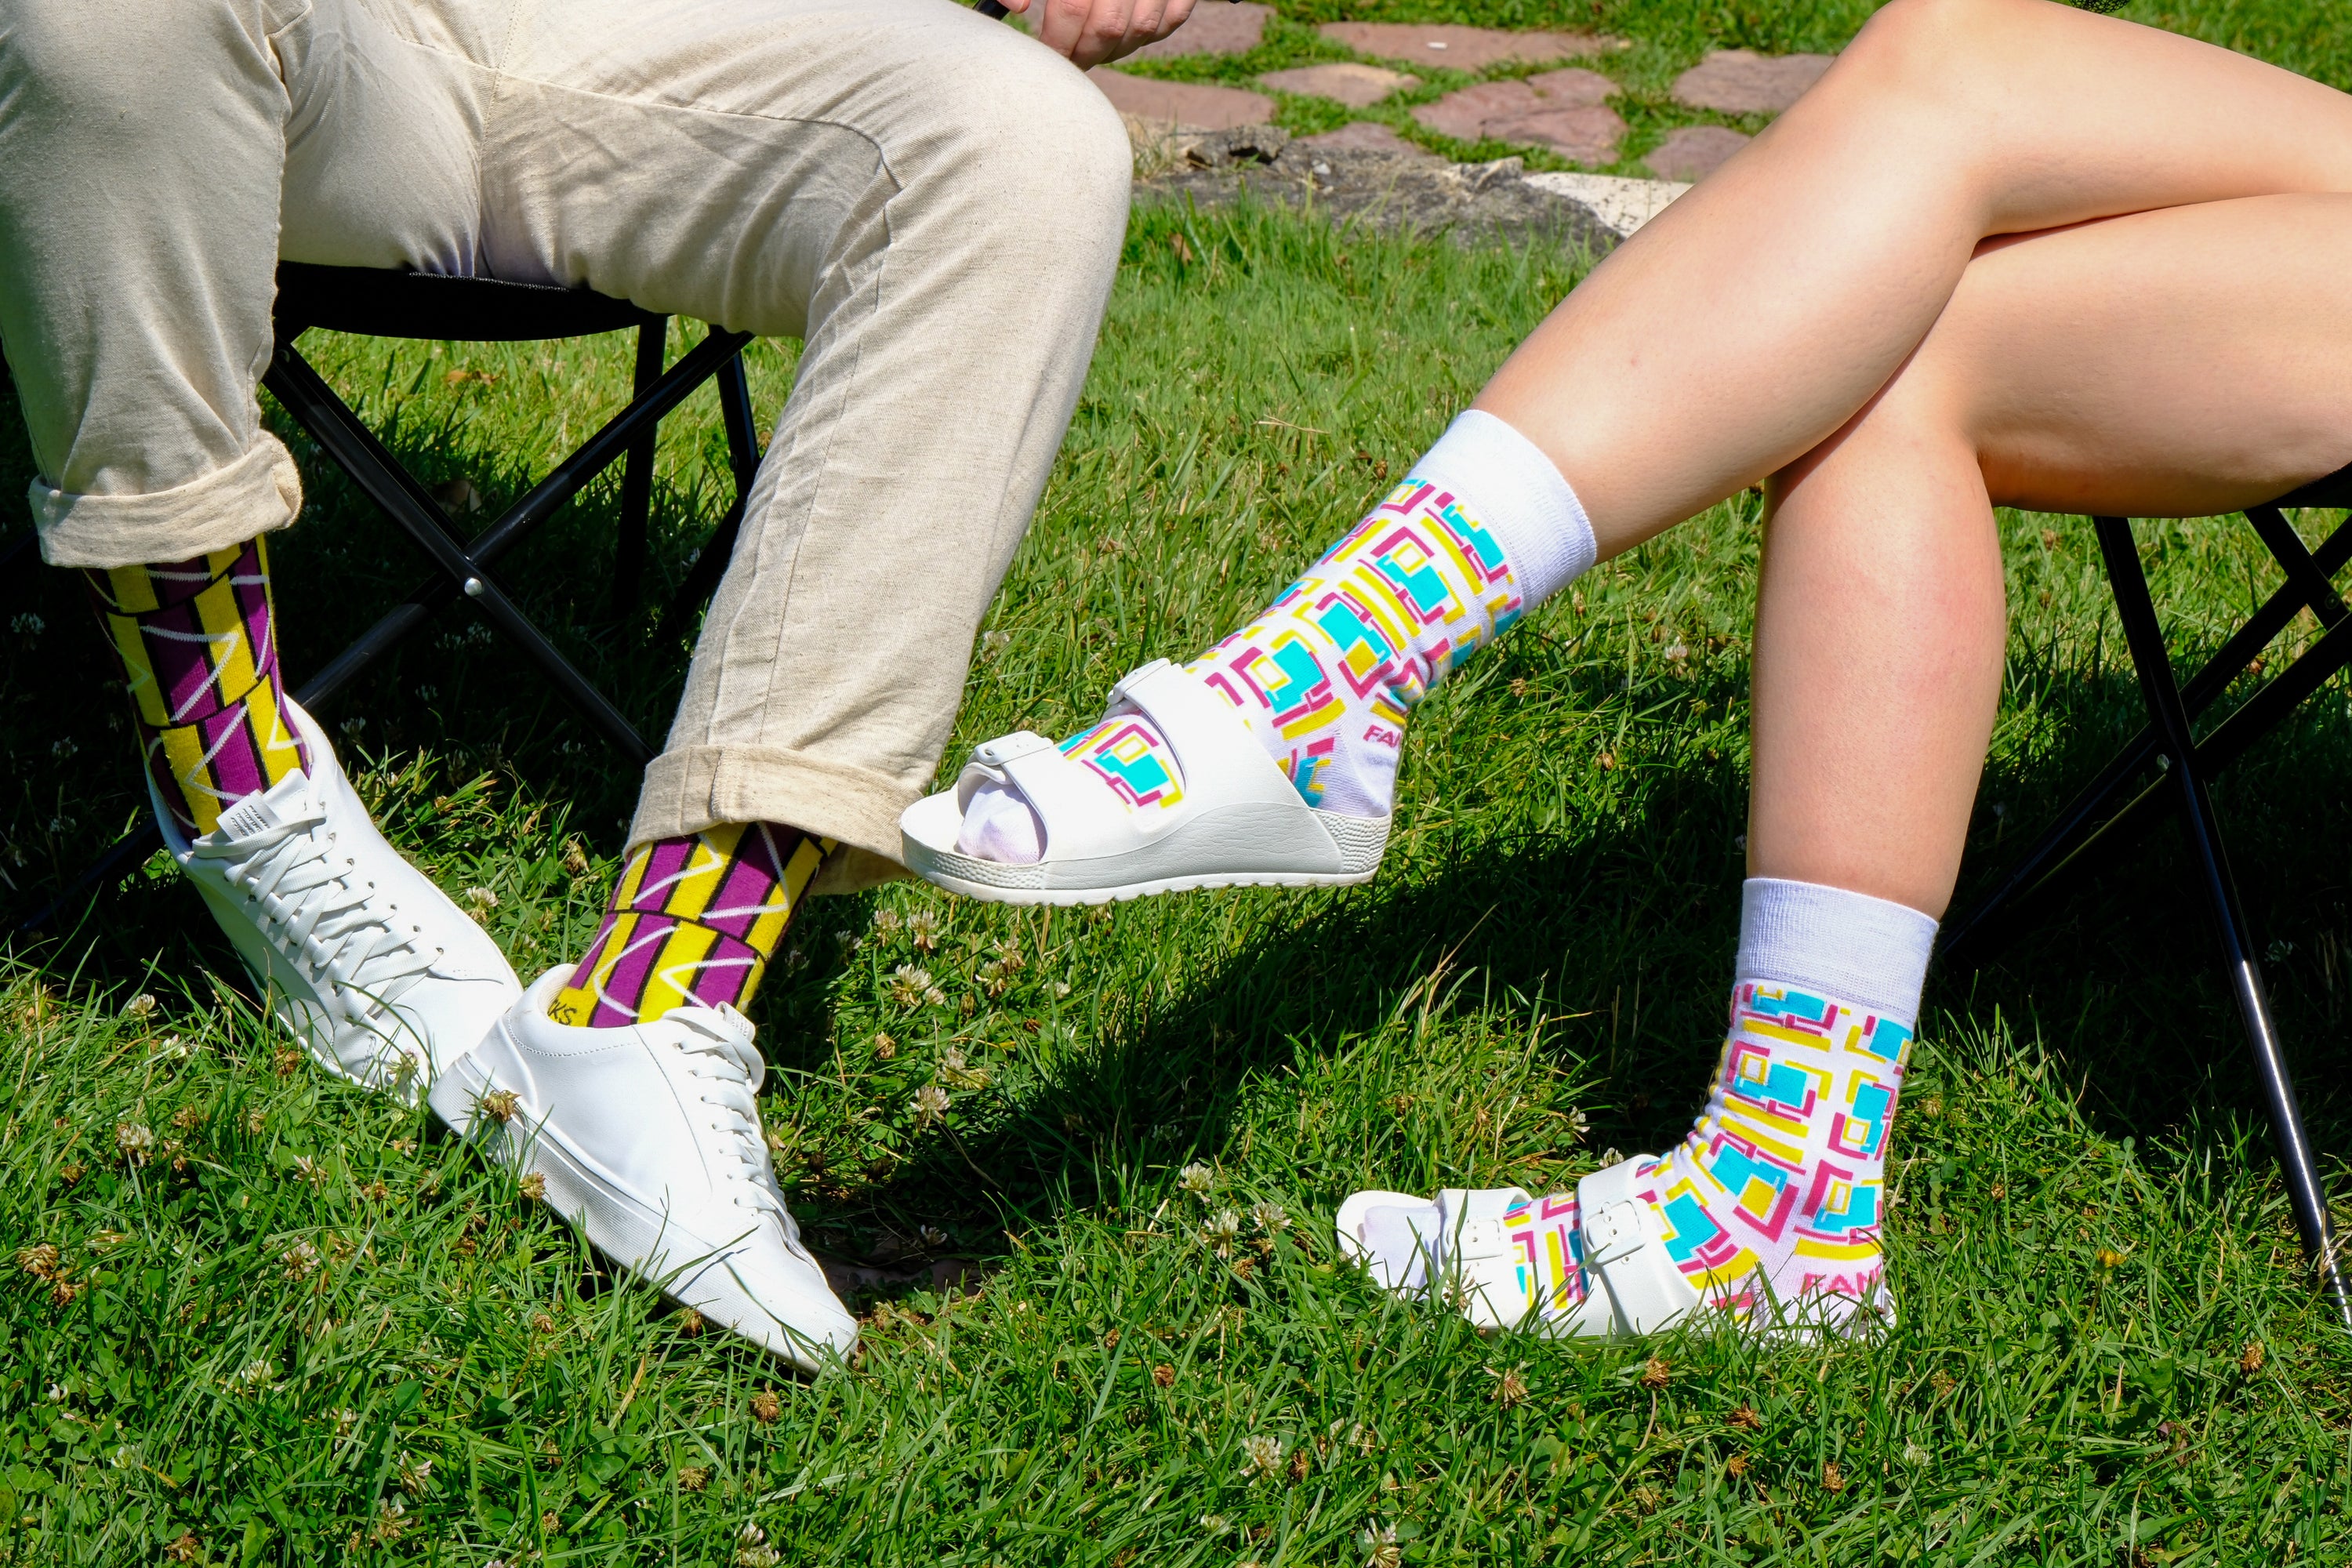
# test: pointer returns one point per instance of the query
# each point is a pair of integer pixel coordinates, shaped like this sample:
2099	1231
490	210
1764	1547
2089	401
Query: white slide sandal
1498	1281
1240	823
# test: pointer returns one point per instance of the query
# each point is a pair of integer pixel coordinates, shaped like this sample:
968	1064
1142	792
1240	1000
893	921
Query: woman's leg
1733	334
2178	361
1756	315
2174	362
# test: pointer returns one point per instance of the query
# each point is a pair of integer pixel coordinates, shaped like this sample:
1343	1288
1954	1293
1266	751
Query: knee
1924	49
1032	136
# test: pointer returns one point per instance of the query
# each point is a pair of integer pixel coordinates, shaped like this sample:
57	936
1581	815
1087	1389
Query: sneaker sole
617	1225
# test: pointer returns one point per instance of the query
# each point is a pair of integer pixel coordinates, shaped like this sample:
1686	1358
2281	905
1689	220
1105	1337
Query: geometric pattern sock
1771	1204
1326	676
199	644
693	920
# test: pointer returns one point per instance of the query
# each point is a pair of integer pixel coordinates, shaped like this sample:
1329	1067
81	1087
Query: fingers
1093	31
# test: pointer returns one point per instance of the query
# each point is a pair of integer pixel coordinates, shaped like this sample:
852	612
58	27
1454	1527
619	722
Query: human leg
143	164
1753	317
935	204
2178	361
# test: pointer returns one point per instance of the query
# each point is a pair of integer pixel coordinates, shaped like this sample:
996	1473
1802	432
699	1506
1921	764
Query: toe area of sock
1394	1235
1000	825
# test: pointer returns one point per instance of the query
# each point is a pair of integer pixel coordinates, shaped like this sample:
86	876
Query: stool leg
638	481
2305	1194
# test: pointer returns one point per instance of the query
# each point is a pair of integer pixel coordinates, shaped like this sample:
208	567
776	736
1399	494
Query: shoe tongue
259	813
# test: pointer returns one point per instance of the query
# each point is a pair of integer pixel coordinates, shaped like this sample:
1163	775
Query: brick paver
1563	111
1463	49
1357	86
1740	81
1182	103
1693	151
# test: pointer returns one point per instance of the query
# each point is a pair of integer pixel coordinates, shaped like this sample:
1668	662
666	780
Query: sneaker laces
321	915
729	1070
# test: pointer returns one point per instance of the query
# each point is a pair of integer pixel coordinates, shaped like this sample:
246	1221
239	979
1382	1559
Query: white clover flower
1269	1217
1195	1178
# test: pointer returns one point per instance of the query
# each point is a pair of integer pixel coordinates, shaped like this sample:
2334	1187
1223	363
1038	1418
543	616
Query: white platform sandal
1499	1282
1240	823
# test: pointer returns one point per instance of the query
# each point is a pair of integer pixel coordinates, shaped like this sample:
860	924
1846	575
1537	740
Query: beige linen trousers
933	202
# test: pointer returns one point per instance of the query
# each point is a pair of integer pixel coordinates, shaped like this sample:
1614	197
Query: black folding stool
2093	824
400	304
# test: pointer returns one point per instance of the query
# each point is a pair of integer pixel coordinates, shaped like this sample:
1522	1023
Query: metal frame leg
2146	640
2085	830
743	456
716	352
637	479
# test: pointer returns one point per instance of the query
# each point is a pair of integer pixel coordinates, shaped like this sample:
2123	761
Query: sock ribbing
1864	950
1522	497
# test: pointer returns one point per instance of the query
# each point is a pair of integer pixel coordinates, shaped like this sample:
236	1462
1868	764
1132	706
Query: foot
362	958
647	1137
1323	677
1768	1210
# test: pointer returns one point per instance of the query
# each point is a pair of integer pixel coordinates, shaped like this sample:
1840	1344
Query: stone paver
1357	86
1182	103
1368	136
1740	81
1463	49
1693	152
1622	204
1560	109
1216	28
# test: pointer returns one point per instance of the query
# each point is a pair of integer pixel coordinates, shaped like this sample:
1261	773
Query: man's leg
143	160
2172	362
935	203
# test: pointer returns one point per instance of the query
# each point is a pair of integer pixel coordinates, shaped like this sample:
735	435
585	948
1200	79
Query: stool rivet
473	587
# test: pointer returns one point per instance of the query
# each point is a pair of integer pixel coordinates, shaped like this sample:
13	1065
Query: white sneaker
362	957
648	1138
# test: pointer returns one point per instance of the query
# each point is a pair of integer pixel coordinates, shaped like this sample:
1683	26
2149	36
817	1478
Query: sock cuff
1857	949
1521	497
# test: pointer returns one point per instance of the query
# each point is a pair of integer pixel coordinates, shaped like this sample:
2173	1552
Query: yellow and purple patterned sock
693	921
199	644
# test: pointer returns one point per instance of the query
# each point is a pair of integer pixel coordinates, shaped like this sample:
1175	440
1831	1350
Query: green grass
292	1324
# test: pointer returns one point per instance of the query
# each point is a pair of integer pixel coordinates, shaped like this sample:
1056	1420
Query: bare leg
2172	362
1753	317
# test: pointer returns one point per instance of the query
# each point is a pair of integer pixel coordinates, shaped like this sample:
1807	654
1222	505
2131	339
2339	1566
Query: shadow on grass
1617	928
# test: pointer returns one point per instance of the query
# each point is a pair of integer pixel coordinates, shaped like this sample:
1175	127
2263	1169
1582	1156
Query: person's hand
1093	31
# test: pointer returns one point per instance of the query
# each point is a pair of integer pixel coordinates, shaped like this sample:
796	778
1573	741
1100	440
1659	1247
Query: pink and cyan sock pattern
1772	1201
1327	673
199	644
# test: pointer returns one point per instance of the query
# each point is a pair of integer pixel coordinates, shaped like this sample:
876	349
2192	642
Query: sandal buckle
1612	1232
1009	748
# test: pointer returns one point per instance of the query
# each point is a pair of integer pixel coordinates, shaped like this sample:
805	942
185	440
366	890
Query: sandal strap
1066	797
1222	763
1497	1283
1625	1252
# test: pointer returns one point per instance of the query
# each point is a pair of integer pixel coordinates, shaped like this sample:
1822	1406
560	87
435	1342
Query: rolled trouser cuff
690	788
260	492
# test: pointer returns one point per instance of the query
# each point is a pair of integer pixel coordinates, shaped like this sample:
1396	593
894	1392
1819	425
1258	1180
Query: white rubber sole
625	1229
1876	1316
1238	847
